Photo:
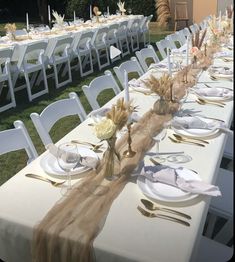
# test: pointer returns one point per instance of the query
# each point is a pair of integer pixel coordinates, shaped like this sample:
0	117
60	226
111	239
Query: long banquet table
126	234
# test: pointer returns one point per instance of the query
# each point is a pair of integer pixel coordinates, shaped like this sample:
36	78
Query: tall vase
111	164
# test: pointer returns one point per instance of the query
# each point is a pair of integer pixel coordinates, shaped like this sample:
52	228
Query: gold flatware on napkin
201	102
54	183
185	142
152	207
184	138
95	147
152	215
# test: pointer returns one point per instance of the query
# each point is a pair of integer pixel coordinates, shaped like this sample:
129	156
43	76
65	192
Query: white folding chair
194	28
81	49
58	53
183	34
16	139
133	34
144	30
162	45
100	46
112	38
97	85
145	55
32	60
175	40
123	39
55	111
5	76
213	245
131	66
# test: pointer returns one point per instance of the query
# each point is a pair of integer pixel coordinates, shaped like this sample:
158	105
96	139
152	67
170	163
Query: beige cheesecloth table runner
67	232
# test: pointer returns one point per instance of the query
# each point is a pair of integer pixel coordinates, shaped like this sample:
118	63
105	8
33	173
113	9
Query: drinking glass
129	11
68	158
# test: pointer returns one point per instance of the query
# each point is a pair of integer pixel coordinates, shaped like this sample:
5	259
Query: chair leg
175	26
28	86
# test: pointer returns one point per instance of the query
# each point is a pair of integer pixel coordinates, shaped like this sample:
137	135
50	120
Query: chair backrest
194	28
122	29
162	45
97	85
58	45
134	27
183	34
16	139
144	26
131	66
55	111
181	11
112	30
32	52
175	40
82	41
144	54
5	58
100	37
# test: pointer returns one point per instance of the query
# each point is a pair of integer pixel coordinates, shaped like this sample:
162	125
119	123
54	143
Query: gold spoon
151	215
213	101
150	206
187	142
94	146
179	137
205	103
54	183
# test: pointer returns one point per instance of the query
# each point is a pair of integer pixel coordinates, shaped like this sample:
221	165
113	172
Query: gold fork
54	183
152	215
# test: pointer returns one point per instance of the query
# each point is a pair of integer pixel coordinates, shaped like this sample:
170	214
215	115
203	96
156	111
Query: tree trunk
43	12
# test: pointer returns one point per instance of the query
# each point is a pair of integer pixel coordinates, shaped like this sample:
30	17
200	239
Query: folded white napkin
97	114
214	92
175	177
191	122
87	161
138	85
224	53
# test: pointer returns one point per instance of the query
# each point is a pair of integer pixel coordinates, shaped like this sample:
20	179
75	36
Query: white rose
224	24
105	129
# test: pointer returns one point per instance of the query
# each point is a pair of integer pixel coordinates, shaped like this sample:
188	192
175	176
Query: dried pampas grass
163	12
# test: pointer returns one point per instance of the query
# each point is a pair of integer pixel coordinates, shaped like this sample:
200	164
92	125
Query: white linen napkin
224	54
97	114
83	160
174	177
138	85
190	122
214	92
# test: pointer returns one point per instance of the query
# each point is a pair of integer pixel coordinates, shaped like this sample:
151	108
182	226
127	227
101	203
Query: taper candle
90	12
187	50
168	61
74	16
27	21
49	13
126	88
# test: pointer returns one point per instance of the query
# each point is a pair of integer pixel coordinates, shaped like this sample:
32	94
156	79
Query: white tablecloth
126	235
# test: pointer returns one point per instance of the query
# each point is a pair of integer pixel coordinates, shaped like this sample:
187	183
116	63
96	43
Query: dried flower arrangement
58	18
107	128
163	12
121	7
10	30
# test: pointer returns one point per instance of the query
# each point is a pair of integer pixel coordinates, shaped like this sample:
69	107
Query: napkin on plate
190	122
214	92
138	85
83	160
97	114
175	177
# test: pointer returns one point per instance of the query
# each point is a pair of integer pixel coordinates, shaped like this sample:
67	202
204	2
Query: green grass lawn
11	163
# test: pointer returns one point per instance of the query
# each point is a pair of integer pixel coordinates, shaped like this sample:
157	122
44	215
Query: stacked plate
50	164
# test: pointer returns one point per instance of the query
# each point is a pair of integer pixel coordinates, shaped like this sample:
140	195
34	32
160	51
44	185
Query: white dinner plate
193	132
50	164
215	98
164	192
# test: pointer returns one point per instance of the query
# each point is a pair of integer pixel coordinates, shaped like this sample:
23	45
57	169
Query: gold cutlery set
152	207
